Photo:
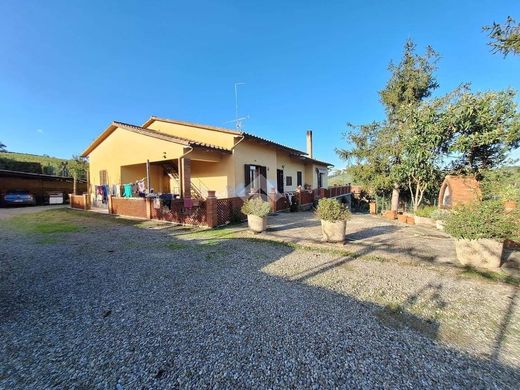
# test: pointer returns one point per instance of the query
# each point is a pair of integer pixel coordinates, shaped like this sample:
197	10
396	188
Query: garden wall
130	207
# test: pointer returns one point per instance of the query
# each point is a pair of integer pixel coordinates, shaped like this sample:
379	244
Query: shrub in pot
480	230
334	216
256	210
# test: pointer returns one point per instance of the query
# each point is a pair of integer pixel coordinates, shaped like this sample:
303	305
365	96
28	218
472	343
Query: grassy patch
501	277
43	223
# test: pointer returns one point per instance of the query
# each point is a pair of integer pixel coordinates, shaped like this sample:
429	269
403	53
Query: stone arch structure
457	190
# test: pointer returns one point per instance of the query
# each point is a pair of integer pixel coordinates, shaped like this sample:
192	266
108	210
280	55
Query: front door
279	180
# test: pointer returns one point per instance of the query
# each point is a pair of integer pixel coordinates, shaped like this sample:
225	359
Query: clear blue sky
68	68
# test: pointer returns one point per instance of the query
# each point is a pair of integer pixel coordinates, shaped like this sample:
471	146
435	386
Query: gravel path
119	306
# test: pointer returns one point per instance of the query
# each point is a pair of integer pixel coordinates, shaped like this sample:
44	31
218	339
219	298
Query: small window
299	181
103	177
288	180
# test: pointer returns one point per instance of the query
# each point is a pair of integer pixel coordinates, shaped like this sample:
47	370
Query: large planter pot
481	253
333	231
424	221
257	224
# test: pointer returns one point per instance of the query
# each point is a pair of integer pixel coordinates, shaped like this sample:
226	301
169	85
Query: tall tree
483	128
505	38
377	147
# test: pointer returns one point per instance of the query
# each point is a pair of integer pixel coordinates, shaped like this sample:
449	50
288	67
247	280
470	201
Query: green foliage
20	166
398	152
501	184
425	211
483	128
340	177
439	214
331	210
505	38
412	79
32	163
487	219
256	206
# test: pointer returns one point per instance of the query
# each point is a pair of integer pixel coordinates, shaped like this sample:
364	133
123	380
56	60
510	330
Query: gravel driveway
95	303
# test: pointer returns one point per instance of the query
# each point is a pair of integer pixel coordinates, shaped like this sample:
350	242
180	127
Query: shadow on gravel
93	311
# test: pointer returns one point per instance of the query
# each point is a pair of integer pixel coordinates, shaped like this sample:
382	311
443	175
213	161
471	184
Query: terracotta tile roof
150	133
294	152
167	137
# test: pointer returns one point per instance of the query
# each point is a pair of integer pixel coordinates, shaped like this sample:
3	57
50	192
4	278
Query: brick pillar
186	177
211	209
272	198
110	209
149	205
88	201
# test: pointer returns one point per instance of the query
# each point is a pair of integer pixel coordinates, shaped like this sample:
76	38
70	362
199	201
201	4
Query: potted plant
423	215
256	210
479	230
334	216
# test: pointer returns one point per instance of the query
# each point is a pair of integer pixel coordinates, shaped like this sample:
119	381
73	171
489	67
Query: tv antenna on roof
238	120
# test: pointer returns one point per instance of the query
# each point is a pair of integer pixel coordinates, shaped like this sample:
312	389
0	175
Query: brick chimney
309	143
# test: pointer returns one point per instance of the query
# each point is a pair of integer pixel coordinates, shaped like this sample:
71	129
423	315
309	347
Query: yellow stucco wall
124	147
123	155
211	137
247	152
290	167
217	177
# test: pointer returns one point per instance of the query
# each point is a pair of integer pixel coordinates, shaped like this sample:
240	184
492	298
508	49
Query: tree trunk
74	184
395	198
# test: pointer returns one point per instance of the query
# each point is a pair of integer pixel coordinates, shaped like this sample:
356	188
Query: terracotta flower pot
257	224
402	218
481	253
333	231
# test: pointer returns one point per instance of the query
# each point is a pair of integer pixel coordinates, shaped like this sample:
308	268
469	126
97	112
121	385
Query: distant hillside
340	177
32	163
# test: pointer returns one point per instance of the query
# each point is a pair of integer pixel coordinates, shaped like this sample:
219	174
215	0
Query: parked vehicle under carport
18	198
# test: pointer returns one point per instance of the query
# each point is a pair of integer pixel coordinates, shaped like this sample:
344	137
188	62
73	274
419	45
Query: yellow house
189	159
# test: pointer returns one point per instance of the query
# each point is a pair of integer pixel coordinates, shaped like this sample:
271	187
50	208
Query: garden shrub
425	211
439	214
487	219
331	210
256	206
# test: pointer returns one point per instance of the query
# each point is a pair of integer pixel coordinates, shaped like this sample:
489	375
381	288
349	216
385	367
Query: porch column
211	209
186	177
273	195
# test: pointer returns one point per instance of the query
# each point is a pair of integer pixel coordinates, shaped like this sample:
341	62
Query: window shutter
247	178
299	178
263	179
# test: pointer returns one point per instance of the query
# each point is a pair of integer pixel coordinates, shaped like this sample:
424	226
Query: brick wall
195	215
130	207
